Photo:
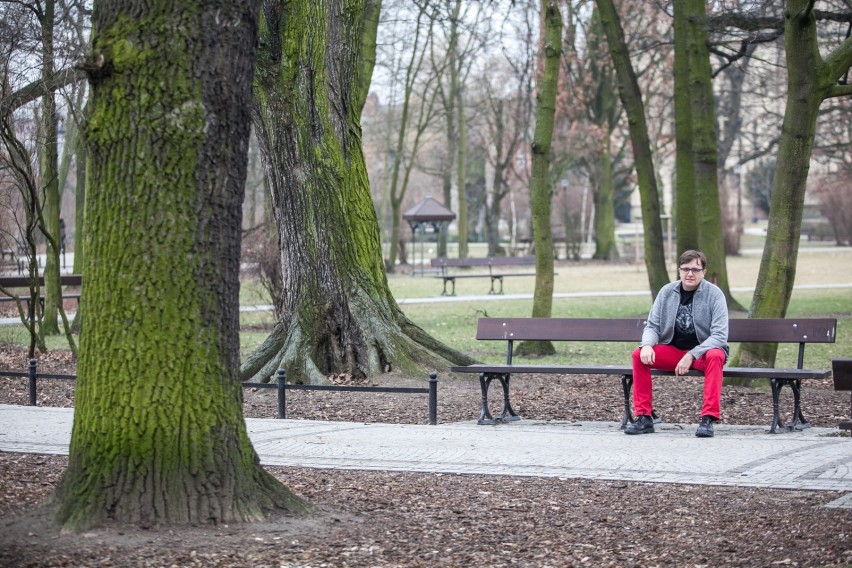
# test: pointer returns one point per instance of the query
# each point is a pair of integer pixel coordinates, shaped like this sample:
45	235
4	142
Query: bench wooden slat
803	330
734	372
24	281
443	262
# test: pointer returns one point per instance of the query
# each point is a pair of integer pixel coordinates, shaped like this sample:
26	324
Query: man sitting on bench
686	329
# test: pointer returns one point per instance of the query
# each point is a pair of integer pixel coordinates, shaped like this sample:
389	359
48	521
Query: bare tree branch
38	89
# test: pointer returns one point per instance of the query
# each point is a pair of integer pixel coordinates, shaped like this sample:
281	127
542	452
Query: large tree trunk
631	98
540	186
159	434
810	79
685	209
711	234
338	313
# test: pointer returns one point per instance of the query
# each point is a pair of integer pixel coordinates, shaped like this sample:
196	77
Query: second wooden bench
444	264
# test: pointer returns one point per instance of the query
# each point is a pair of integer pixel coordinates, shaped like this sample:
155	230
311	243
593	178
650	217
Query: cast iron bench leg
507	415
799	421
485	415
627	386
776	385
452	281
496	279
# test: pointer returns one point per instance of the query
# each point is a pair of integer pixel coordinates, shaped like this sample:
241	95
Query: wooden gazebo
428	213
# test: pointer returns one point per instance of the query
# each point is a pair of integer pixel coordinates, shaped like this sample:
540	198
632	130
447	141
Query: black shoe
643	425
705	427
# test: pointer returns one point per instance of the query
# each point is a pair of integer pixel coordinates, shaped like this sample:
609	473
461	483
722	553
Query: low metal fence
280	385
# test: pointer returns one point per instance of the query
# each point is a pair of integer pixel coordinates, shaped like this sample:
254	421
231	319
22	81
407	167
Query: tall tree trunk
711	234
400	173
338	313
461	176
631	98
540	184
494	201
159	434
447	174
50	180
81	159
810	80
605	244
685	208
603	112
449	102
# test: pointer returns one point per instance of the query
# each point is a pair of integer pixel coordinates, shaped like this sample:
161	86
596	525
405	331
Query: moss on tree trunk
158	434
338	314
810	79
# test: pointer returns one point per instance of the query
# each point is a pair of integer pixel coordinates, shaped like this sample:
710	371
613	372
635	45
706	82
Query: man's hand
684	364
647	355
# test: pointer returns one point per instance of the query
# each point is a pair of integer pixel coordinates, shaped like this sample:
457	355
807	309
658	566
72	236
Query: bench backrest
758	330
24	281
841	371
443	262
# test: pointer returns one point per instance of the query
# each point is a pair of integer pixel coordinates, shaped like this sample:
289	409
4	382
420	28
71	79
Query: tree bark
372	11
631	98
810	79
604	113
540	185
461	175
50	179
605	244
159	435
685	209
404	157
711	234
338	313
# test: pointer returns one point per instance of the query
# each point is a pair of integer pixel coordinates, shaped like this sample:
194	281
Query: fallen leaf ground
373	518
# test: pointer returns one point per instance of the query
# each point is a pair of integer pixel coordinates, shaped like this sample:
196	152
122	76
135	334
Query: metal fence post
433	398
282	393
32	381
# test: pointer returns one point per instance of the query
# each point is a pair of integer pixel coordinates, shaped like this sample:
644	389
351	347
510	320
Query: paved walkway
814	459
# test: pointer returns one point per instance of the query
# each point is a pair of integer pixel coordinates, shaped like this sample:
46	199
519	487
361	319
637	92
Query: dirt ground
368	518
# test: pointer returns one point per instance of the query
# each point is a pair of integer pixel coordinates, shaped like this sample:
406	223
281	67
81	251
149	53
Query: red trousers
666	358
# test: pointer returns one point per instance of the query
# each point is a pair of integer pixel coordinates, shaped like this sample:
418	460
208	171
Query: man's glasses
691	270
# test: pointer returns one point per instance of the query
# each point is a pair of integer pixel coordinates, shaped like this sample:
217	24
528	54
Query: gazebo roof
428	210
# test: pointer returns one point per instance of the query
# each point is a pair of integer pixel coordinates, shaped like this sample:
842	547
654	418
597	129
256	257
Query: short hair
690	255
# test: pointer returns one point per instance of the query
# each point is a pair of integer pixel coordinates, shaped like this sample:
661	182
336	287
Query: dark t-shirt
684	330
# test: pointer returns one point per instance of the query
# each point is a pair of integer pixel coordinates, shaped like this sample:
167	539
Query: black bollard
433	398
32	381
282	393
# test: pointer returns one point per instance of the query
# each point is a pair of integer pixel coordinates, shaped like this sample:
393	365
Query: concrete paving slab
817	459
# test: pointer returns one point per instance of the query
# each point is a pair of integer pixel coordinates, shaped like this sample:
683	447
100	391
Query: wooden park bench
444	264
801	331
8	283
841	371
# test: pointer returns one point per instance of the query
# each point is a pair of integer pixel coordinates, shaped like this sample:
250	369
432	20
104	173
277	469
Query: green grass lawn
455	322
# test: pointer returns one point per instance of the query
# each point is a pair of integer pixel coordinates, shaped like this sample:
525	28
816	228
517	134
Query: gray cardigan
709	311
